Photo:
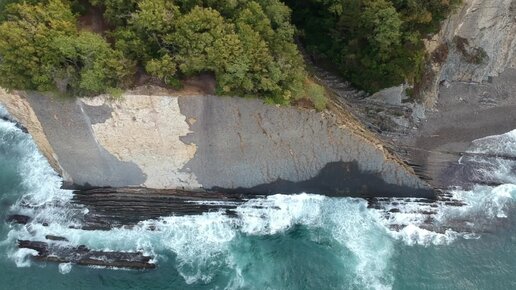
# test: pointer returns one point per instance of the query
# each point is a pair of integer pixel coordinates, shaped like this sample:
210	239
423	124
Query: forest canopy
373	43
87	47
248	45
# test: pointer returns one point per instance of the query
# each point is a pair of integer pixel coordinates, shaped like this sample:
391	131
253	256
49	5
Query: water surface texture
300	241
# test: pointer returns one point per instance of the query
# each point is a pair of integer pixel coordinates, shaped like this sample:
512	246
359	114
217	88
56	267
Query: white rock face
146	130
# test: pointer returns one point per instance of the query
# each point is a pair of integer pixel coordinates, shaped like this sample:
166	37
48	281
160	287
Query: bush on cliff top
42	49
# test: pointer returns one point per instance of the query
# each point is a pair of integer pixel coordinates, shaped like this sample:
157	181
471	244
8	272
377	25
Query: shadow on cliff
337	179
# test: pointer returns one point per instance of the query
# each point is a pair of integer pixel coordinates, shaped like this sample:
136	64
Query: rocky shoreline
461	97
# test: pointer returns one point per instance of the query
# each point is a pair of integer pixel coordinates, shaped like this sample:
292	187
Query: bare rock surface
82	159
217	143
465	112
475	44
482	38
258	144
145	130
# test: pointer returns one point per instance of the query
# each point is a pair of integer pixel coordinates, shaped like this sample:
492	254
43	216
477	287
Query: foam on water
43	185
496	144
483	204
202	245
65	268
22	257
489	200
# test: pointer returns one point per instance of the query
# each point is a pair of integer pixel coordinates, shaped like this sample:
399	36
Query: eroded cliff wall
211	142
470	89
475	45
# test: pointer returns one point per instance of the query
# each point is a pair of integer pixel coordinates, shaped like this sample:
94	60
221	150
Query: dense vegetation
248	46
374	43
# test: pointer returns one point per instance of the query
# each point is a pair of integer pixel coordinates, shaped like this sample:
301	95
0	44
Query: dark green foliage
248	46
117	12
42	49
373	43
28	58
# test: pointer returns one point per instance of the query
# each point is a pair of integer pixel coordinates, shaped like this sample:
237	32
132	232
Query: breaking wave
203	246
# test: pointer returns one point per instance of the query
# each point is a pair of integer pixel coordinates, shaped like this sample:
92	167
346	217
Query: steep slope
210	142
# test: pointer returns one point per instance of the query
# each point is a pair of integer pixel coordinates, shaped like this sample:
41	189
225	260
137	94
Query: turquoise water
290	242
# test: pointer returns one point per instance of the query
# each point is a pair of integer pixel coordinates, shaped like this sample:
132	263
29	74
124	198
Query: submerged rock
18	218
81	255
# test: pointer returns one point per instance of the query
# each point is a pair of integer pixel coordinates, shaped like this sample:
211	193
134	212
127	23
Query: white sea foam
496	144
483	204
279	213
202	244
43	185
65	268
22	257
356	228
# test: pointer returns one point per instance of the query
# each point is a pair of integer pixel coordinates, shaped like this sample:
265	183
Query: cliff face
475	45
210	142
470	89
21	110
482	37
237	144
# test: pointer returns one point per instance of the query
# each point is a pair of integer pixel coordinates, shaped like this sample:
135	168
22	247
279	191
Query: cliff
209	142
468	90
475	45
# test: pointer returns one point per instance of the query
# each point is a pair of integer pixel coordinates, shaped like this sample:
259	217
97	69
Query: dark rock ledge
115	207
109	208
81	255
17	124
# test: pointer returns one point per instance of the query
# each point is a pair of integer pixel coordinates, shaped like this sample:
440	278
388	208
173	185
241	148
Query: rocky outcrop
210	142
482	40
465	112
109	208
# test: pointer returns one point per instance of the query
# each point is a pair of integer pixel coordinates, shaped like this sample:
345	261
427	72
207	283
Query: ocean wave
496	144
203	245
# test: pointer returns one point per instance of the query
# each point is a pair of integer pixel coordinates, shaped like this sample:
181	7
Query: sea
300	241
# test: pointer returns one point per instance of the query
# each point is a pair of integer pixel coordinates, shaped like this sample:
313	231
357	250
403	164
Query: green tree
41	49
164	69
93	67
382	22
27	57
373	43
117	12
248	46
205	42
